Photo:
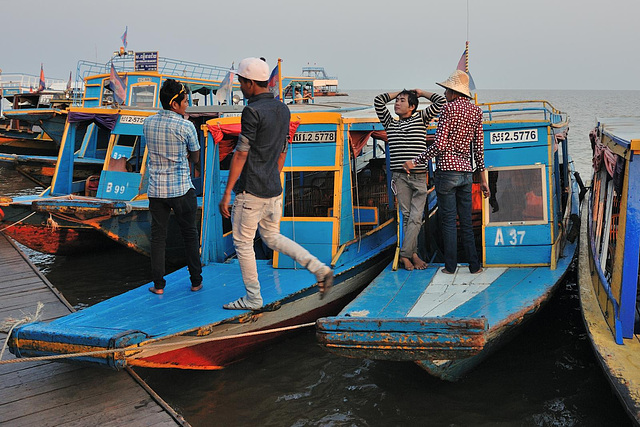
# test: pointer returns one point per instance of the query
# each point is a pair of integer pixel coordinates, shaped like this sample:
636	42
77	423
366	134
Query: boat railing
166	66
12	84
534	109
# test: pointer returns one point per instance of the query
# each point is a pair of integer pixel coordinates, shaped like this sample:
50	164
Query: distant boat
323	85
609	253
525	236
335	204
27	137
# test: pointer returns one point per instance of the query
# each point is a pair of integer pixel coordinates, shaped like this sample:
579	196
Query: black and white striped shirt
407	137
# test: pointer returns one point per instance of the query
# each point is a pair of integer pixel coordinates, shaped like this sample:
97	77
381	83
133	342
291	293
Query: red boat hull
60	240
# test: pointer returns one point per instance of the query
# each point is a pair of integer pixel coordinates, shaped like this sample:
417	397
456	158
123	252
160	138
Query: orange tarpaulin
227	136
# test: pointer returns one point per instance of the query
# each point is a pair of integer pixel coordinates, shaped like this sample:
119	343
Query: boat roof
623	130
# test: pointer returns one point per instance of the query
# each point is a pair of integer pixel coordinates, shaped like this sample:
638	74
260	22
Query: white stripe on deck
446	292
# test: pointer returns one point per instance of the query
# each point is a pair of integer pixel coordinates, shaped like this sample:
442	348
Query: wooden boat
447	323
66	218
341	216
142	91
609	252
27	136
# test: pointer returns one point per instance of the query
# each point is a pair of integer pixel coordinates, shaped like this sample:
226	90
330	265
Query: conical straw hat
459	82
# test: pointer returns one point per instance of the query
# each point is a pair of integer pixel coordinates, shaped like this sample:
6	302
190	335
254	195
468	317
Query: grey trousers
412	195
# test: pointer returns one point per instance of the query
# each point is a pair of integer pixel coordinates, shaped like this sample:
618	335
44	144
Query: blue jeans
185	209
454	197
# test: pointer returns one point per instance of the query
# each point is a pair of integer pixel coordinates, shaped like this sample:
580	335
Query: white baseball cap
254	69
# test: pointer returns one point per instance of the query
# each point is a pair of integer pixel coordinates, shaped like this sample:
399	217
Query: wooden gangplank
50	393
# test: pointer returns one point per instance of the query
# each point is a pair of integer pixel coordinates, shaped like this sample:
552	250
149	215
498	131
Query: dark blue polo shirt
264	134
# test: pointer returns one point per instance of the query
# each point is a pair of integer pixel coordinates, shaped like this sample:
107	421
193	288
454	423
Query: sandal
240	304
325	284
156	291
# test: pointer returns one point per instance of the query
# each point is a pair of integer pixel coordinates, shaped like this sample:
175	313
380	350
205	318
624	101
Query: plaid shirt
169	138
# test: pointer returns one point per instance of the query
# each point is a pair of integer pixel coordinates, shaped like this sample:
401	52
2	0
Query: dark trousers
454	197
185	209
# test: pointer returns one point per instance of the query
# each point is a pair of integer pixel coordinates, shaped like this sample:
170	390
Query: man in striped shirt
407	137
459	150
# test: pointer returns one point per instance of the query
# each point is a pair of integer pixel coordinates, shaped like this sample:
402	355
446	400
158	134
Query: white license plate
133	120
513	136
320	136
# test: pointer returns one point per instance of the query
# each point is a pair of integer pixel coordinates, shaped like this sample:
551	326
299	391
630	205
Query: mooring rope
151	345
11	323
18	222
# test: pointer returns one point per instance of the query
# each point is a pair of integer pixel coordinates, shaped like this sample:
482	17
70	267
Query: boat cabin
327	205
528	175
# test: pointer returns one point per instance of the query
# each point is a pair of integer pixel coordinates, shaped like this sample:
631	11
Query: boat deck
48	393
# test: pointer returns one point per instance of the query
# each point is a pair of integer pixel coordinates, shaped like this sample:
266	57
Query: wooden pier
49	393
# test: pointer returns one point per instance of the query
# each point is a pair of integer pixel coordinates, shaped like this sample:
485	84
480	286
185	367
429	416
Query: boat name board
511	136
146	61
318	136
132	120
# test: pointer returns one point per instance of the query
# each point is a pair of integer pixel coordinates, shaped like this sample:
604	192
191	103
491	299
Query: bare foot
408	265
156	291
418	263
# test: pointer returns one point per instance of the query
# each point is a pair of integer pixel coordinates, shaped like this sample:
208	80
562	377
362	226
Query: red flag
41	85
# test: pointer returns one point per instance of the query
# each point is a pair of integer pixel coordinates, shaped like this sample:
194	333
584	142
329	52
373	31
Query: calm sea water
546	376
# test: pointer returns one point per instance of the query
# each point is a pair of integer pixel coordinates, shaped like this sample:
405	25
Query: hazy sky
368	44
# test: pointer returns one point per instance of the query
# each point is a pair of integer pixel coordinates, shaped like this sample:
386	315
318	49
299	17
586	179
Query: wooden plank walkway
57	393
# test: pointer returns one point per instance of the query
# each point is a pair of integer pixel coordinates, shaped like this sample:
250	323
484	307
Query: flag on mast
41	84
223	93
274	81
124	37
117	86
463	65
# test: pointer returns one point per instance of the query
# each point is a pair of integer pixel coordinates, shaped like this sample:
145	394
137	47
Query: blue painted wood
631	251
311	155
346	218
118	185
61	184
518	255
515	157
517	235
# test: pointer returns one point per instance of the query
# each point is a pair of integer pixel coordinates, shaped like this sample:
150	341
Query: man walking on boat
254	176
407	138
172	142
459	145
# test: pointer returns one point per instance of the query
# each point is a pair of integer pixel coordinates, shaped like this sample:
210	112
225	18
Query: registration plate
513	136
133	120
320	136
